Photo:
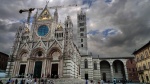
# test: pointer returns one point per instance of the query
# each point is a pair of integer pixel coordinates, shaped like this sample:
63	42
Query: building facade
132	71
3	61
142	57
48	49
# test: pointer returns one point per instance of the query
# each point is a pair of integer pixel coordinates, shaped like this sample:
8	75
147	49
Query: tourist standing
35	80
92	82
86	81
101	82
16	81
114	81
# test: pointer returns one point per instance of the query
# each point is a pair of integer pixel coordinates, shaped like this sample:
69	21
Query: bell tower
82	33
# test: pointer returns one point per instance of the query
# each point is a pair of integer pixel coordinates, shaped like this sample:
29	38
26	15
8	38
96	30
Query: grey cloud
131	17
132	20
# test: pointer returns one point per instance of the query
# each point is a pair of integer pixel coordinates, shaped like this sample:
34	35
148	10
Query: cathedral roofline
112	57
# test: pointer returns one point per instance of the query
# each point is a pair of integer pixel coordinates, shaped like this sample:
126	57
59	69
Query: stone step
51	81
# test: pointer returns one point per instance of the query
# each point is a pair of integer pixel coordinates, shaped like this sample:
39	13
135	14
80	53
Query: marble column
112	72
44	68
100	70
14	68
27	67
126	73
17	68
48	67
60	66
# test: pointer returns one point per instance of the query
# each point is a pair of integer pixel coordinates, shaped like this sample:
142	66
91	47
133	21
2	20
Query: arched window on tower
39	53
95	65
85	63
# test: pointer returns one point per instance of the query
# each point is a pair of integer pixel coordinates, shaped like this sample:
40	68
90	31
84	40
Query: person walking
101	82
114	81
35	80
86	81
16	81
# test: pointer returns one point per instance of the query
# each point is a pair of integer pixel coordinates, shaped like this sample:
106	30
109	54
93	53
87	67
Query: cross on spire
47	3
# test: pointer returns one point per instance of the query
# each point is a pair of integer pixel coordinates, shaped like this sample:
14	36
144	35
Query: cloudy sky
115	27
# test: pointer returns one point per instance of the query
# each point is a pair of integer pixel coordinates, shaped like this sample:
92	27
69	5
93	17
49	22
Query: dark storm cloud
7	33
129	17
132	19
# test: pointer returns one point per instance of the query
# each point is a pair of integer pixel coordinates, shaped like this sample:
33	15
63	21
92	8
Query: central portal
37	69
54	71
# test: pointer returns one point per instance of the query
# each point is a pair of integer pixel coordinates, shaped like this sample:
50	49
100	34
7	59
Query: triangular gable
40	44
55	44
45	14
25	46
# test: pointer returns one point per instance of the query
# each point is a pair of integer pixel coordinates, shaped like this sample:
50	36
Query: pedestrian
35	80
1	82
16	81
86	81
114	81
92	82
101	82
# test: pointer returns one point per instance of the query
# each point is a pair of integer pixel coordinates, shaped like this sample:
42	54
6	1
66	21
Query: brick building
3	61
132	71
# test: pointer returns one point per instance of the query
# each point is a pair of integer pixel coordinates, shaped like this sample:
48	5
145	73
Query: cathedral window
42	30
81	40
62	34
81	24
39	53
81	29
81	45
85	63
95	66
67	24
81	34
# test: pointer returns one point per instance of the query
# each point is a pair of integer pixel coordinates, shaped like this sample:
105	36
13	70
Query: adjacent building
3	61
132	71
142	58
48	49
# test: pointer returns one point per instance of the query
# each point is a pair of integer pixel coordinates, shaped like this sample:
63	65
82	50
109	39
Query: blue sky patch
89	2
108	1
93	32
109	31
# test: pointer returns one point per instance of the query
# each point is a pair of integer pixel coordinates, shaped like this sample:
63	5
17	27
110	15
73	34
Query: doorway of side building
86	76
22	70
54	71
37	69
104	76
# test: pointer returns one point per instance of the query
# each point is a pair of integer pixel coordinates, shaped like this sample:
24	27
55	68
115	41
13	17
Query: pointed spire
56	16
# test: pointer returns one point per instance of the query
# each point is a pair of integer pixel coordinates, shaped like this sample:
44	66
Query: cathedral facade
48	50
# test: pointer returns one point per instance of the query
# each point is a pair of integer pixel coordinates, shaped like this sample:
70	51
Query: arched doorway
118	68
37	69
105	71
55	63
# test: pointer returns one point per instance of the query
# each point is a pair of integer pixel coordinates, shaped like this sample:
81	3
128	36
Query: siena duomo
47	49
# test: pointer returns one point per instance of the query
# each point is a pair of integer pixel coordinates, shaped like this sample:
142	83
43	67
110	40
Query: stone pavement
60	81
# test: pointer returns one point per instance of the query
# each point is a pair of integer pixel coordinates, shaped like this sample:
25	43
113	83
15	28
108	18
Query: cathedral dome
59	27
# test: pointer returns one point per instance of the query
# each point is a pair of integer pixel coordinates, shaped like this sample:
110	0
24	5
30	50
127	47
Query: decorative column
48	65
100	70
17	68
43	68
126	73
60	66
112	72
27	67
14	67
